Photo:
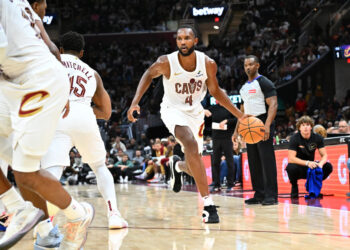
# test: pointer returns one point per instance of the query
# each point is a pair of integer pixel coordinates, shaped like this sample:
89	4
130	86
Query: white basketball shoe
76	231
23	220
115	220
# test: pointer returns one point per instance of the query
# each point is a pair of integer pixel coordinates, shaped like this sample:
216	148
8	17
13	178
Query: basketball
252	130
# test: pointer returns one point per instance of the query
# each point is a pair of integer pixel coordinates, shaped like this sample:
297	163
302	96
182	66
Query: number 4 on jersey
189	100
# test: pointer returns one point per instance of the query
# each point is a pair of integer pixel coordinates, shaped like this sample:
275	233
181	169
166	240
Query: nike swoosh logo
178	73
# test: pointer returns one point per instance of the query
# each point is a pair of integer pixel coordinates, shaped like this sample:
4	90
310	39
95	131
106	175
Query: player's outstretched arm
216	91
102	101
158	68
52	47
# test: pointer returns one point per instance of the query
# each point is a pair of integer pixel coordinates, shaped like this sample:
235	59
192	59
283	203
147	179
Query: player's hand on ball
131	111
243	117
267	133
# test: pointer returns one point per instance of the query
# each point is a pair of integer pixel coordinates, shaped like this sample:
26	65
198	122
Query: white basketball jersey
185	90
82	79
3	38
26	49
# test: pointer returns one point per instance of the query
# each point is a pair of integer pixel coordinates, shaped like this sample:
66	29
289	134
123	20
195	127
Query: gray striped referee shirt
254	94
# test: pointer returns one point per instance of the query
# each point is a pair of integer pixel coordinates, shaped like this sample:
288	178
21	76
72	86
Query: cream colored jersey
82	79
185	90
3	38
26	50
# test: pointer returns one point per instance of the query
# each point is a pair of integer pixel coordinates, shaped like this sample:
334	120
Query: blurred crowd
107	16
325	110
268	30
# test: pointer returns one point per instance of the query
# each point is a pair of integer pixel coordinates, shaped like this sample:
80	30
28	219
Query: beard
189	52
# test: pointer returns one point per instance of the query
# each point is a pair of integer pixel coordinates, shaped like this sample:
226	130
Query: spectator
138	157
301	154
300	104
151	170
323	48
343	128
118	145
124	169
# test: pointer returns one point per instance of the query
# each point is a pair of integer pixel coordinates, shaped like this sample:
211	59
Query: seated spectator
138	157
159	148
124	169
164	163
343	128
207	145
301	154
300	104
117	145
319	129
151	171
323	48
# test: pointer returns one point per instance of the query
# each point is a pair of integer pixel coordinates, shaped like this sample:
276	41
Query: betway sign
208	11
47	20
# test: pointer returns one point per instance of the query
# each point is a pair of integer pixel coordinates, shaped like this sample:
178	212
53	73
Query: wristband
307	163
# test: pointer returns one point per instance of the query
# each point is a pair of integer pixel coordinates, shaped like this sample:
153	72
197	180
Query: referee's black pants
223	146
262	166
296	172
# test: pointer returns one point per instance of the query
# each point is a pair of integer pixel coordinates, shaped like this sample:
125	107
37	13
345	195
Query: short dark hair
256	59
188	27
72	41
33	1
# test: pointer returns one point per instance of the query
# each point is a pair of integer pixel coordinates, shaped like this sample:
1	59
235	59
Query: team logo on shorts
31	98
201	129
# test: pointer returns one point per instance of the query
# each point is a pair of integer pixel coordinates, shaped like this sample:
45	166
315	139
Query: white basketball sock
208	201
44	227
74	211
105	185
12	200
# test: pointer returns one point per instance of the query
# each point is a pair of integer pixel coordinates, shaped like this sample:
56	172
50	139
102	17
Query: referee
260	99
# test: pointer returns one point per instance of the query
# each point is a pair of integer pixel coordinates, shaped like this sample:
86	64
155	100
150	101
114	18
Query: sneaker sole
209	221
36	247
12	241
212	222
118	227
175	179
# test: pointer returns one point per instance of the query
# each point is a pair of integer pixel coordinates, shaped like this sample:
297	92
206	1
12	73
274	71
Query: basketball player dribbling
32	98
187	74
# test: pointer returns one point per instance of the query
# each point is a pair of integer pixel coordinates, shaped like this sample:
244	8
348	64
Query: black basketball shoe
175	177
210	214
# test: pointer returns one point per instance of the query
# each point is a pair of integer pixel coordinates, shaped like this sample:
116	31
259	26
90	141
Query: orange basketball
252	130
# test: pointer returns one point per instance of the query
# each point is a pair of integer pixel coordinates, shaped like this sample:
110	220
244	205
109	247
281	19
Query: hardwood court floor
161	219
